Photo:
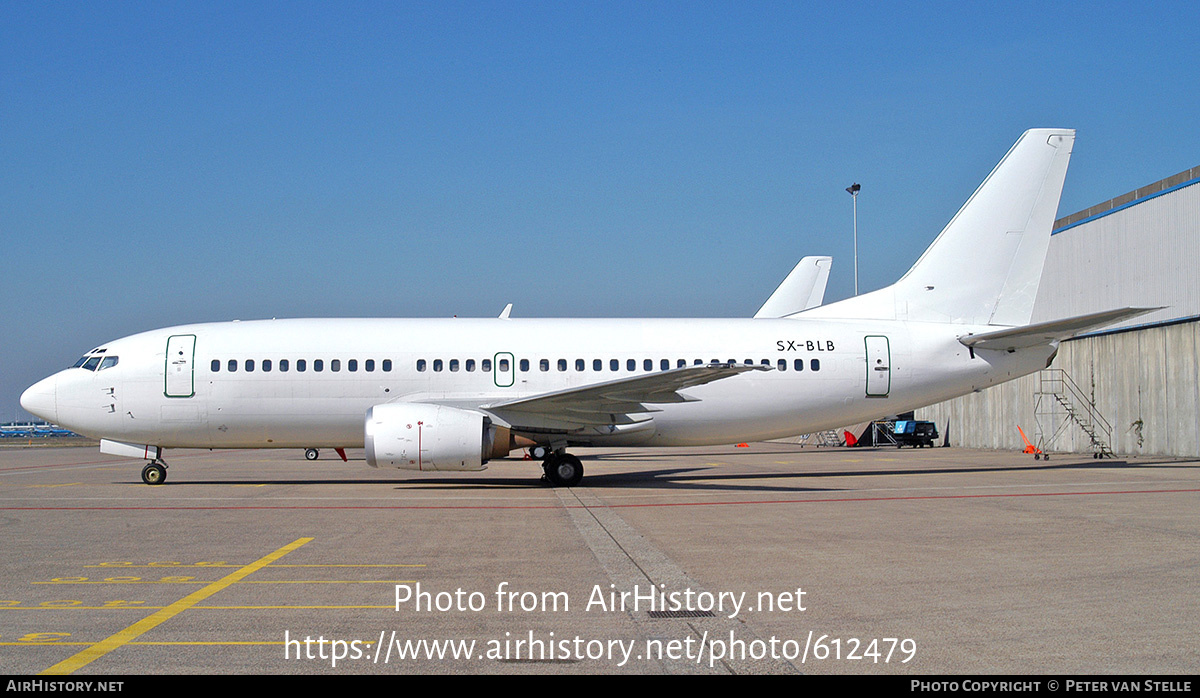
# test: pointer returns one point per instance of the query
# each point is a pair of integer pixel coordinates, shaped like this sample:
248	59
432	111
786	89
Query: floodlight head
852	190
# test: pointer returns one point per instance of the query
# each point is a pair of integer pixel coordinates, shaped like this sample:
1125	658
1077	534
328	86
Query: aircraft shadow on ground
707	478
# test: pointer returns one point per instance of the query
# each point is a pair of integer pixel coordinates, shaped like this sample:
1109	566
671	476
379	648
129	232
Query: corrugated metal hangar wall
1139	250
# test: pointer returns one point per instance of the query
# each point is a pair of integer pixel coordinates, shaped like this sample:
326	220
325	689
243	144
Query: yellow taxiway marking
254	581
61	484
352	565
334	581
258	485
131	581
124	637
145	644
193	608
163	565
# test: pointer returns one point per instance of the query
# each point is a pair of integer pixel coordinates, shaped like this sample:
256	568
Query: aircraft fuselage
299	383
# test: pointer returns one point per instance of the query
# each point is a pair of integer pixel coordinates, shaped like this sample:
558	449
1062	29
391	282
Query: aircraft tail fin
803	288
985	266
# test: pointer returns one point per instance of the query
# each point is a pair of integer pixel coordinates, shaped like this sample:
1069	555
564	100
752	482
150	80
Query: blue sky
165	163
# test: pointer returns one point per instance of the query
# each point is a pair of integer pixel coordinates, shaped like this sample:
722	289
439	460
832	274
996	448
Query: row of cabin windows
468	365
598	364
285	365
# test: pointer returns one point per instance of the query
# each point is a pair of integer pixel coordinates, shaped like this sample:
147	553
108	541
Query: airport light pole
853	191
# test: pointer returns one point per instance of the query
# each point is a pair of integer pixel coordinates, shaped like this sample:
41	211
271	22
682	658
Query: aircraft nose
41	399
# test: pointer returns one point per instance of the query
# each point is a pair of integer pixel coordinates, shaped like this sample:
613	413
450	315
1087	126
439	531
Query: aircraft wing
1047	332
803	288
611	402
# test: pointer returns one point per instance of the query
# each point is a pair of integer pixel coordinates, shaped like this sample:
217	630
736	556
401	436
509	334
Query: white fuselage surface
298	383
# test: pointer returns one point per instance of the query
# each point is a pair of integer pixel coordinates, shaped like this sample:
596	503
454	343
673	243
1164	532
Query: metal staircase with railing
829	437
1061	403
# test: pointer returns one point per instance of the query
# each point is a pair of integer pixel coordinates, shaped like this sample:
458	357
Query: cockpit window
91	363
80	362
108	362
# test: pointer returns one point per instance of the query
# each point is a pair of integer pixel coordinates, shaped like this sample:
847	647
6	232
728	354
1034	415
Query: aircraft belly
287	423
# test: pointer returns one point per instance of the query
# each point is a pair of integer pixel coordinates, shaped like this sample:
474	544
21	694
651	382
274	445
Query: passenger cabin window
266	365
420	365
815	364
524	365
782	364
437	365
562	364
301	365
504	365
665	364
216	366
454	364
648	364
232	365
335	365
614	365
544	364
318	365
597	365
283	365
470	365
249	365
369	364
798	364
631	364
486	366
387	365
352	365
580	365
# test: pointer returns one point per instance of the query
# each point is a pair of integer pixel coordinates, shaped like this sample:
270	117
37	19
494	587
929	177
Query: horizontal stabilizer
1044	333
803	288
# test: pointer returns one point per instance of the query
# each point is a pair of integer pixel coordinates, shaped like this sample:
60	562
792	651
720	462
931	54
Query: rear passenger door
879	366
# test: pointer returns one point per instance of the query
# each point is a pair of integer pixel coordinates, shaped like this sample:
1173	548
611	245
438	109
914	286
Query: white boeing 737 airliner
448	394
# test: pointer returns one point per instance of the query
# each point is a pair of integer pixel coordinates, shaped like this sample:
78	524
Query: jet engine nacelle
418	436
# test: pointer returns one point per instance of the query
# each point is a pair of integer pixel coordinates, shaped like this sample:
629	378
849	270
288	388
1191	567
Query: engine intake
418	436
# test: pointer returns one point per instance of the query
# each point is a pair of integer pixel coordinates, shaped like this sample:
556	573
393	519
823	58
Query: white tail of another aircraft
804	288
985	266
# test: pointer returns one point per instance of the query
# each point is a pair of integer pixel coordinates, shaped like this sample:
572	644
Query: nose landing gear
155	472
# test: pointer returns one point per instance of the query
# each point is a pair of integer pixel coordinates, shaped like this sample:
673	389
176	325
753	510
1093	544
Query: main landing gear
562	469
155	472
